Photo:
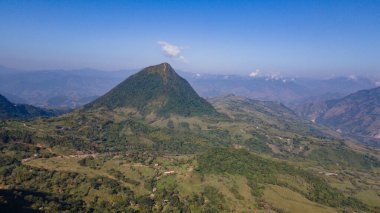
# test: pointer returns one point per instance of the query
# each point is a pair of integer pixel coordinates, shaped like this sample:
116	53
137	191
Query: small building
169	173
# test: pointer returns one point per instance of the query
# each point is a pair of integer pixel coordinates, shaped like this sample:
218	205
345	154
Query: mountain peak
164	70
157	89
163	67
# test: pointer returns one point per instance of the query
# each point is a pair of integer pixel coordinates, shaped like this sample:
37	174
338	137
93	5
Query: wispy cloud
255	73
172	51
352	77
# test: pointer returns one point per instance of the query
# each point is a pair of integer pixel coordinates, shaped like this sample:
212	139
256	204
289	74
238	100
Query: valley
356	114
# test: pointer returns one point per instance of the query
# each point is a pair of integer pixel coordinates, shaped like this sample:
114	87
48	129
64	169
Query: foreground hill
113	156
357	114
9	110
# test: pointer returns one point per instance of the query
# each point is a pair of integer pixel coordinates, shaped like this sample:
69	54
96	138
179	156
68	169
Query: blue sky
293	38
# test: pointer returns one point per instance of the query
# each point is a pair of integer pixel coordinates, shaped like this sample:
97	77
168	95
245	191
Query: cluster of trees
15	135
209	200
91	162
258	144
120	176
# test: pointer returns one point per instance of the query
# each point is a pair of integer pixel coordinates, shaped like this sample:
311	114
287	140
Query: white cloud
273	76
353	77
254	74
172	51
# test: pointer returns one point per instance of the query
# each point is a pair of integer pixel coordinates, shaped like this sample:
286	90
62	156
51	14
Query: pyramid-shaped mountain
158	89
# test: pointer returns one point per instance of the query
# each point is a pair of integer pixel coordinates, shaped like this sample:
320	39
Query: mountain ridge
9	110
357	114
77	87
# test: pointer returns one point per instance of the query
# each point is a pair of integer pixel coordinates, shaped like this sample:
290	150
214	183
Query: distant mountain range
289	91
357	114
73	88
57	88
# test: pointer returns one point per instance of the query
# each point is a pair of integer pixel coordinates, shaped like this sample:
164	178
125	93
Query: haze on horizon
292	38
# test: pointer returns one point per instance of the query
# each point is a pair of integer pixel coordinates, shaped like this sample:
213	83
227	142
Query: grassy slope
187	181
98	134
290	201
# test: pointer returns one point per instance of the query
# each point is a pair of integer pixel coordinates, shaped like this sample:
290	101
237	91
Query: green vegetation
150	154
344	157
259	171
258	144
